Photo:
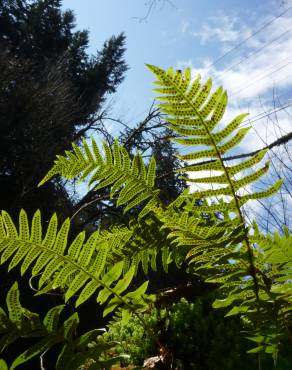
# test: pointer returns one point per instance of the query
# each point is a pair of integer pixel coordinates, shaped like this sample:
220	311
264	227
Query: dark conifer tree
50	93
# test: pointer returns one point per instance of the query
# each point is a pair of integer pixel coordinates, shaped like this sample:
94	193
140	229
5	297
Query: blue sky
171	34
257	74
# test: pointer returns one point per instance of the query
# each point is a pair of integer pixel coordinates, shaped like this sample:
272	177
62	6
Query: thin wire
261	78
251	120
248	38
263	115
254	52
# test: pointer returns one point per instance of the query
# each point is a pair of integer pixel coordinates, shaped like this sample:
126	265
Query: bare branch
152	4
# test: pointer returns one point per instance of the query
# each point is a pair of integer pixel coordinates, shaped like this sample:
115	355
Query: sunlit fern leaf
23	226
89	289
255	159
96	152
61	239
100	259
9	226
79	266
114	177
193	141
234	141
251	178
124	283
221	179
113	169
36	228
139	199
79	281
118	184
108	279
195	107
217	98
11	248
129	192
75	247
261	194
18	256
135	166
229	128
211	153
108	154
64	275
88	249
52	266
32	254
205	166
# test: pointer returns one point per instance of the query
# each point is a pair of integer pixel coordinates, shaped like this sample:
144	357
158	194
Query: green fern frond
113	169
191	105
76	267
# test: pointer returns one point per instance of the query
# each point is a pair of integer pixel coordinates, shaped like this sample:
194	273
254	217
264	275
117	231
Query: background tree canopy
51	90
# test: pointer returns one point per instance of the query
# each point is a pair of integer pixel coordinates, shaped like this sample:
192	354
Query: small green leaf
3	365
51	319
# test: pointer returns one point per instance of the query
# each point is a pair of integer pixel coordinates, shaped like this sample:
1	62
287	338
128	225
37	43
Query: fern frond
114	169
193	105
79	266
194	113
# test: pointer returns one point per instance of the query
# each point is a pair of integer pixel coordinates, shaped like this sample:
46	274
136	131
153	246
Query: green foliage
195	114
20	323
193	333
81	266
223	251
205	230
114	169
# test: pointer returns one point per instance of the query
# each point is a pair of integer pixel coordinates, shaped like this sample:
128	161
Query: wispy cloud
222	28
257	75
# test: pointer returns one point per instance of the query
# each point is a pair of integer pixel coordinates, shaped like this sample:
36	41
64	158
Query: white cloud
260	70
222	28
